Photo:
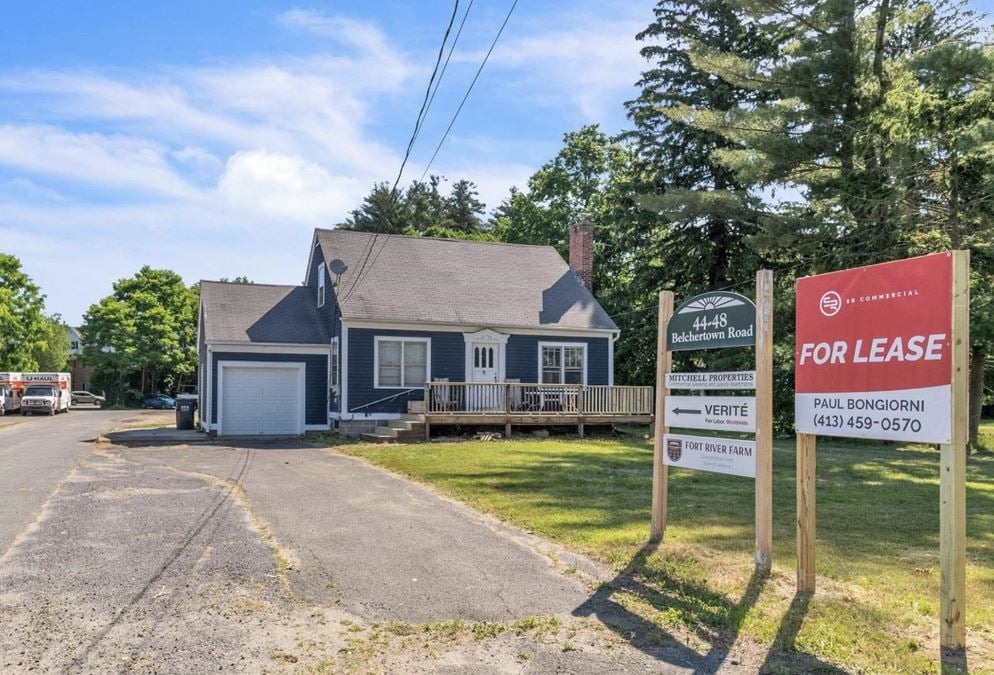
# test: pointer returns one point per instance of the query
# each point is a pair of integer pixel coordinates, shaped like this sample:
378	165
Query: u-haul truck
11	387
46	393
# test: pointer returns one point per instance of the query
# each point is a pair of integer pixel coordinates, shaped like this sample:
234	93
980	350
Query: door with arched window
485	369
486	362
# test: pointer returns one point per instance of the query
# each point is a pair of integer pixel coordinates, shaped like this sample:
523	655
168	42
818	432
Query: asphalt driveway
270	557
377	545
38	453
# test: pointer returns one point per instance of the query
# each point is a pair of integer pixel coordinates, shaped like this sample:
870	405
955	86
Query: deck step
393	435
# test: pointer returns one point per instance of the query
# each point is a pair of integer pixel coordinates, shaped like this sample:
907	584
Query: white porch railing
514	398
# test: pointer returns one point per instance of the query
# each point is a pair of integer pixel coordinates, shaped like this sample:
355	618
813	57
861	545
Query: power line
470	88
445	66
424	104
364	256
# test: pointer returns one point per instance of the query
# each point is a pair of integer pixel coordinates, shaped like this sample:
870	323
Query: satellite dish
337	267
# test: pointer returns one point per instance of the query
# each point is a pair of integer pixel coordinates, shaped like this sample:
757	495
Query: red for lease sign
873	351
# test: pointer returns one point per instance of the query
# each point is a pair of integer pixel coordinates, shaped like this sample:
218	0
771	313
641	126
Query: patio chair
443	397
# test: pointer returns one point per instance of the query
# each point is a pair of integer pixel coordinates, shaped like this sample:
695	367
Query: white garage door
261	399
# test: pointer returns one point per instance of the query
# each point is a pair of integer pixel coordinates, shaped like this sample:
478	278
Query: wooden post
806	447
427	410
579	411
664	362
764	421
952	470
507	410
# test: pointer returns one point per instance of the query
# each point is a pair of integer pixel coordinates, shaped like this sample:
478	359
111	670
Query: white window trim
321	288
376	360
491	337
542	345
332	356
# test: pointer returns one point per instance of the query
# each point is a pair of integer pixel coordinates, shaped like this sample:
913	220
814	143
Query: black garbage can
184	414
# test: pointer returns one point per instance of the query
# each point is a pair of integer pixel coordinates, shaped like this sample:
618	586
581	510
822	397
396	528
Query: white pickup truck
44	399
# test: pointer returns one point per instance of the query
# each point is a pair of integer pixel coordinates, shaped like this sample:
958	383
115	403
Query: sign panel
712	320
724	413
719	455
873	353
744	379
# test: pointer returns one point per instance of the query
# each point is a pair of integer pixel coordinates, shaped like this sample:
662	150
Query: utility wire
424	104
364	256
470	89
445	66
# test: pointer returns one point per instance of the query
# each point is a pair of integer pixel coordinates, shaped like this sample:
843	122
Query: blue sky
212	137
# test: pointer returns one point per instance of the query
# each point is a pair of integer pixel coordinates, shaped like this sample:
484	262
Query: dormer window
321	285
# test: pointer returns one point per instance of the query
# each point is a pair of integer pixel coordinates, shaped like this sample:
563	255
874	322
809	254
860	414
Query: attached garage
264	360
260	399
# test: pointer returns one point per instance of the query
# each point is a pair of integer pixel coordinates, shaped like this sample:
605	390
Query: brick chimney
581	251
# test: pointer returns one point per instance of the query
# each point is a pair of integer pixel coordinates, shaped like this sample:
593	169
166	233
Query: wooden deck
521	404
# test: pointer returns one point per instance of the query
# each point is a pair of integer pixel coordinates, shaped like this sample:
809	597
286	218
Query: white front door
486	362
486	370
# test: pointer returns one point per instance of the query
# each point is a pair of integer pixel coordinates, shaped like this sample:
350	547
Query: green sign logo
711	321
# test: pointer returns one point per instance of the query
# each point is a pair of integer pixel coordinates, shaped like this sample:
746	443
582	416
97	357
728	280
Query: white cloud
581	56
112	161
286	188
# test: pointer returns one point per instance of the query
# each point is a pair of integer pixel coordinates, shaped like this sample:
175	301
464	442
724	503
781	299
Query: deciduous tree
22	324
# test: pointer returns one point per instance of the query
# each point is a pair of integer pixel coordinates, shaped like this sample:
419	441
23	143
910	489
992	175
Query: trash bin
184	414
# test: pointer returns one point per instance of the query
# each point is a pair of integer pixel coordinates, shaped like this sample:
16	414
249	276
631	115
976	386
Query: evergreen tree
426	206
878	129
383	210
463	208
705	214
421	209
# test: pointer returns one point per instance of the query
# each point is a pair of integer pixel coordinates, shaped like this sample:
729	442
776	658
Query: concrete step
392	435
416	418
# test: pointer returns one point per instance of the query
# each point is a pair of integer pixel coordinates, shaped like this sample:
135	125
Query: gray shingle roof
421	279
260	313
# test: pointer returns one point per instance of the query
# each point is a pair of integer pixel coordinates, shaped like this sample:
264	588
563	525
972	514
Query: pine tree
693	236
463	207
383	210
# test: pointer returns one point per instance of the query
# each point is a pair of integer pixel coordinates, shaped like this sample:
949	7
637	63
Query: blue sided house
386	326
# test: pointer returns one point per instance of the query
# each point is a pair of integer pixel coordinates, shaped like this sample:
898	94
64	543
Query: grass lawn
876	608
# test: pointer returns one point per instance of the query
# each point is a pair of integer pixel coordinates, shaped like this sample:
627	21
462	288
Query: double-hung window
321	285
563	363
402	362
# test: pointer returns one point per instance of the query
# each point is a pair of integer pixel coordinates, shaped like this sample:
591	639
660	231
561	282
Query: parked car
158	402
86	397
